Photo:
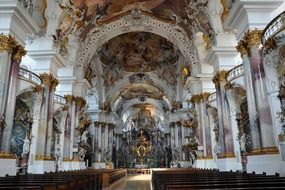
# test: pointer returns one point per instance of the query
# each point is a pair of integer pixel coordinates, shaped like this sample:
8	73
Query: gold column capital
242	47
253	37
196	99
7	43
69	98
19	52
80	101
220	76
49	80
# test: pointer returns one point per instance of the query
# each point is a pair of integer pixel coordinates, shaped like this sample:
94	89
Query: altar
140	166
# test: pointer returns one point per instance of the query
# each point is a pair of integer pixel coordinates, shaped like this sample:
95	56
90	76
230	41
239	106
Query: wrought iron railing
212	97
235	72
274	27
29	76
59	99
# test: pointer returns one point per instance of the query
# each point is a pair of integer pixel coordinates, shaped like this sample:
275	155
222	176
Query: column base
269	163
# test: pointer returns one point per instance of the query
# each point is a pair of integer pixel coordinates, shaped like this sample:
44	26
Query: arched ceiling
134	51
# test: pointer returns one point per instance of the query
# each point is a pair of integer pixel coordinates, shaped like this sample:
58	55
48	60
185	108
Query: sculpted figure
216	10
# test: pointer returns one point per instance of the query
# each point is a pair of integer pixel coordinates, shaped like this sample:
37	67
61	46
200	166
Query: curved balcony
212	97
29	76
235	73
59	99
274	27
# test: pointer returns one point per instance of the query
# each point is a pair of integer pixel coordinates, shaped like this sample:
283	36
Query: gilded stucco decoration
9	44
83	15
49	80
220	76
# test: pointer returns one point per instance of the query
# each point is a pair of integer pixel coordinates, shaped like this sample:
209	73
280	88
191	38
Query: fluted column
10	57
253	40
50	83
225	128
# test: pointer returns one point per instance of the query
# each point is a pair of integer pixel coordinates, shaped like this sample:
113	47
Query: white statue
26	146
201	45
216	10
242	142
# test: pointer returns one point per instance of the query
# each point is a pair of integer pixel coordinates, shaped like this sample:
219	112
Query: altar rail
138	171
29	76
274	27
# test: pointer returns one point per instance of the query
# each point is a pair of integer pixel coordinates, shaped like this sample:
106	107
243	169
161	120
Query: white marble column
12	52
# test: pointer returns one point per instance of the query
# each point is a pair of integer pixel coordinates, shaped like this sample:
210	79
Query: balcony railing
274	27
212	97
59	99
29	76
235	72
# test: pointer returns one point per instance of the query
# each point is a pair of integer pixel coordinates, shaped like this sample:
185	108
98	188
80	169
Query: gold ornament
19	53
220	76
79	101
49	80
242	47
7	43
253	37
69	98
37	89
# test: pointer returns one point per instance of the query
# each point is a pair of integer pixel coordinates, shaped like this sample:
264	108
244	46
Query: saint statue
216	10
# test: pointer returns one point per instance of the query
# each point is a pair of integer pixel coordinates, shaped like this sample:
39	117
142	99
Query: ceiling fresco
141	90
84	15
138	52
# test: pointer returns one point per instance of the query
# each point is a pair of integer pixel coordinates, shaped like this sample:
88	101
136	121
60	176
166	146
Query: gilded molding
7	155
263	151
49	80
43	157
220	76
242	48
227	155
79	101
253	37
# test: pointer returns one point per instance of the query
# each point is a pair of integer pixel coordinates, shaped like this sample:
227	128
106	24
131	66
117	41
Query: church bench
205	179
110	176
248	185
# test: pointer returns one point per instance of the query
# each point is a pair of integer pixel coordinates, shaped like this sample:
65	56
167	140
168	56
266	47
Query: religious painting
187	14
138	52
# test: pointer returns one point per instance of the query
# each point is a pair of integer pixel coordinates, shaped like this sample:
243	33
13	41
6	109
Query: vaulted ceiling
136	53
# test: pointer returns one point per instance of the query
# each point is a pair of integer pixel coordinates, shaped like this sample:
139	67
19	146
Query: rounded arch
129	23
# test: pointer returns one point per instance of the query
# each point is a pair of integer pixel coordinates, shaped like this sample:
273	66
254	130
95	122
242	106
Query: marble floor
132	182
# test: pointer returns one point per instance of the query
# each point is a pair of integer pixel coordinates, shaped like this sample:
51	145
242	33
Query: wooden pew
180	179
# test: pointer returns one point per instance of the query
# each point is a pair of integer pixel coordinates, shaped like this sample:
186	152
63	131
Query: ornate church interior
131	85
